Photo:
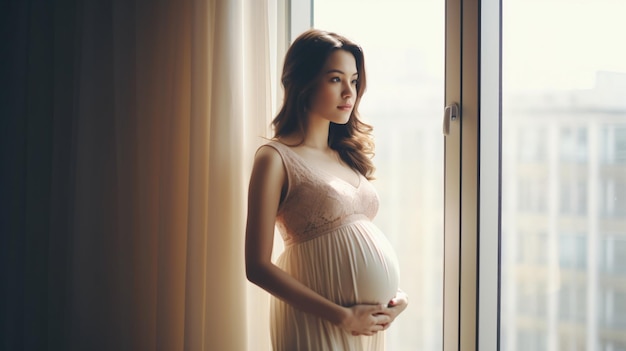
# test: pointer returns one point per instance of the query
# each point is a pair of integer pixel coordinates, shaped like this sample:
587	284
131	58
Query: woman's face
335	92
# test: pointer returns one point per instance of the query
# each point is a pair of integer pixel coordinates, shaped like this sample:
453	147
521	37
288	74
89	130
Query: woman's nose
348	91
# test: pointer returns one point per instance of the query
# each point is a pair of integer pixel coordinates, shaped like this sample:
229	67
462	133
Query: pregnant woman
335	287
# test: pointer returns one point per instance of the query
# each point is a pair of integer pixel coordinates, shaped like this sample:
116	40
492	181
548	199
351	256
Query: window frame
473	176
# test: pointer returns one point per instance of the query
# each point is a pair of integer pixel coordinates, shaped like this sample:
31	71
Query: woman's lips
345	107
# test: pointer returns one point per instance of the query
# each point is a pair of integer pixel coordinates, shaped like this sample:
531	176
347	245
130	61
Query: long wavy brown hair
303	63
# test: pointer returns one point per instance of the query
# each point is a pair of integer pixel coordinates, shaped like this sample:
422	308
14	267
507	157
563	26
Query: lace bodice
318	202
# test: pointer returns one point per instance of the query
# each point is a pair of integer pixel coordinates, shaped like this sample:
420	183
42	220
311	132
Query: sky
547	44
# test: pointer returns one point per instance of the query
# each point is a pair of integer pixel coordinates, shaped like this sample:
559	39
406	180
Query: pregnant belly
353	264
374	265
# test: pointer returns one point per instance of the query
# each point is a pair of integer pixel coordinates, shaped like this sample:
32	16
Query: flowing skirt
353	264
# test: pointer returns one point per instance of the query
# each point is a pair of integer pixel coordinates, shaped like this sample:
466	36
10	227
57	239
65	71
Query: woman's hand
396	306
383	315
365	319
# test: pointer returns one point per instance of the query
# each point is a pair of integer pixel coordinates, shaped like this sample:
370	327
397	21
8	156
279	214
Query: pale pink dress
332	246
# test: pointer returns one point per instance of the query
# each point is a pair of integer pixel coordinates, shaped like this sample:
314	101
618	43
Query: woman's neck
316	135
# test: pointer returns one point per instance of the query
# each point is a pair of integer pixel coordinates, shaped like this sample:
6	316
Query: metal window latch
450	113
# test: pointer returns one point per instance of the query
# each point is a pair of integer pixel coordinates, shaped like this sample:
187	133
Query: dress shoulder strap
294	167
290	158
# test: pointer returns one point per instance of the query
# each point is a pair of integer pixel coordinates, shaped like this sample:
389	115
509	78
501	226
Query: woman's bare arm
266	183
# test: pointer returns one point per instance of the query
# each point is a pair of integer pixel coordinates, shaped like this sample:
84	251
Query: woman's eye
335	80
355	82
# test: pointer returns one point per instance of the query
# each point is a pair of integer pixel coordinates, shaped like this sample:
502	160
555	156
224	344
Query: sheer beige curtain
237	45
240	110
127	141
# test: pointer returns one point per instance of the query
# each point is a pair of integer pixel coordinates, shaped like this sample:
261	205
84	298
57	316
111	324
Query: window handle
450	113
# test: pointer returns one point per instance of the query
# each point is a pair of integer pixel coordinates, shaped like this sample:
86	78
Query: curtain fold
225	310
196	259
127	141
258	114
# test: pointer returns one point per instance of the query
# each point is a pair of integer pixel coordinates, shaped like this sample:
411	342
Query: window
572	251
613	254
531	339
573	191
614	141
564	141
612	312
532	189
613	193
573	144
562	144
531	299
403	42
531	145
532	248
572	304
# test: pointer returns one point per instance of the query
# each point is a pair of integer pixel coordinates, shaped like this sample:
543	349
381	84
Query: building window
532	144
573	194
572	302
614	144
573	251
573	144
613	196
613	254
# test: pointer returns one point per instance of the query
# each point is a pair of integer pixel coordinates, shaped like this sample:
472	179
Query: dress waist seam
291	241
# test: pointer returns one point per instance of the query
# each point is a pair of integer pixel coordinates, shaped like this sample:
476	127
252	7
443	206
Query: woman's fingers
382	318
379	317
395	306
400	298
379	310
370	319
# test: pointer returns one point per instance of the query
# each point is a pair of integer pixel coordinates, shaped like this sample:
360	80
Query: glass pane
403	43
563	175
